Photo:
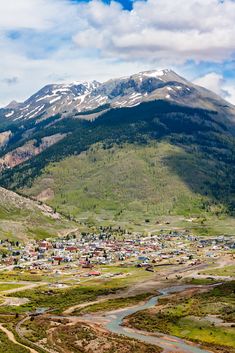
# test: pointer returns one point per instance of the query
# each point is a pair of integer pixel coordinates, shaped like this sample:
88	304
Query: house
94	273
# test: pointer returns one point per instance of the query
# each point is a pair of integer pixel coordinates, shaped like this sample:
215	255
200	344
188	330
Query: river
167	342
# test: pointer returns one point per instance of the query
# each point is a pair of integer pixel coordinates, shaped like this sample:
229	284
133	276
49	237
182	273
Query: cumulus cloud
35	14
218	84
230	88
213	82
166	30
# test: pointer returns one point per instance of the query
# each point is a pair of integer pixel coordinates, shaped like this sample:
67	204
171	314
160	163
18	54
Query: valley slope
158	156
22	218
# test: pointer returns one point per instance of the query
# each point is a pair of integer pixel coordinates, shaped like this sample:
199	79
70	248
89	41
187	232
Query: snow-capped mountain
78	97
151	107
50	100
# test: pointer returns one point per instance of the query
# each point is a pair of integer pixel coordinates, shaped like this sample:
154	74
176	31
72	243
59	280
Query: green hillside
22	218
127	182
134	164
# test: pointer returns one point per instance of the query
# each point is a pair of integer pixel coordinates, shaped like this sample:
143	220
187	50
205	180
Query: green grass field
200	281
113	304
15	275
6	346
8	286
57	299
223	271
88	289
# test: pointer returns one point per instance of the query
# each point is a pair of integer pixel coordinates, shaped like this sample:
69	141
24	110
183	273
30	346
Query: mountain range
131	148
74	98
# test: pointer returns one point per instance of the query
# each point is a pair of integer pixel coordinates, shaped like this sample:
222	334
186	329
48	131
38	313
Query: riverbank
96	313
113	322
92	329
204	317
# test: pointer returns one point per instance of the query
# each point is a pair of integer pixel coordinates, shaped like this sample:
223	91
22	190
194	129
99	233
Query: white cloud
166	30
34	14
41	40
230	89
62	66
212	81
218	84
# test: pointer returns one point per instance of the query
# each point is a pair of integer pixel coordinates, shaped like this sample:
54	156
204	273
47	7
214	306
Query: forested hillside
156	158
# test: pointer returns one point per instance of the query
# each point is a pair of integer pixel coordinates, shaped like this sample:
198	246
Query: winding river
167	342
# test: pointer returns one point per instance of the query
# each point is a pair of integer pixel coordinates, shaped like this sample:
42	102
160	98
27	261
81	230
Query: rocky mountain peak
70	99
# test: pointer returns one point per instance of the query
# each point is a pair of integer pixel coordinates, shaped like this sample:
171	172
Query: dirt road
25	286
11	337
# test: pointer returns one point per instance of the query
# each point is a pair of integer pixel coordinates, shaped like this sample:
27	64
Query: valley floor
118	293
83	327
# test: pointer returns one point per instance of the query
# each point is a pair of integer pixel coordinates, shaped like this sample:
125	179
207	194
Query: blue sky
126	4
44	41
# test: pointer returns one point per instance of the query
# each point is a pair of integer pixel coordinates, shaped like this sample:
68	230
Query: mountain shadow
206	162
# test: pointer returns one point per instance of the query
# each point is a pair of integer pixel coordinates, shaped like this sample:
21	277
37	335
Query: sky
52	41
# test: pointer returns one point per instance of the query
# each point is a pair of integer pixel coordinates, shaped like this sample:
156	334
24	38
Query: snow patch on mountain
70	99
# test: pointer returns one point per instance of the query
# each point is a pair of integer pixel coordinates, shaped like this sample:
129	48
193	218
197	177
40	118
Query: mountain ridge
74	98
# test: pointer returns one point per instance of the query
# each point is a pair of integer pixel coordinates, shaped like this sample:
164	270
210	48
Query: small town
84	254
